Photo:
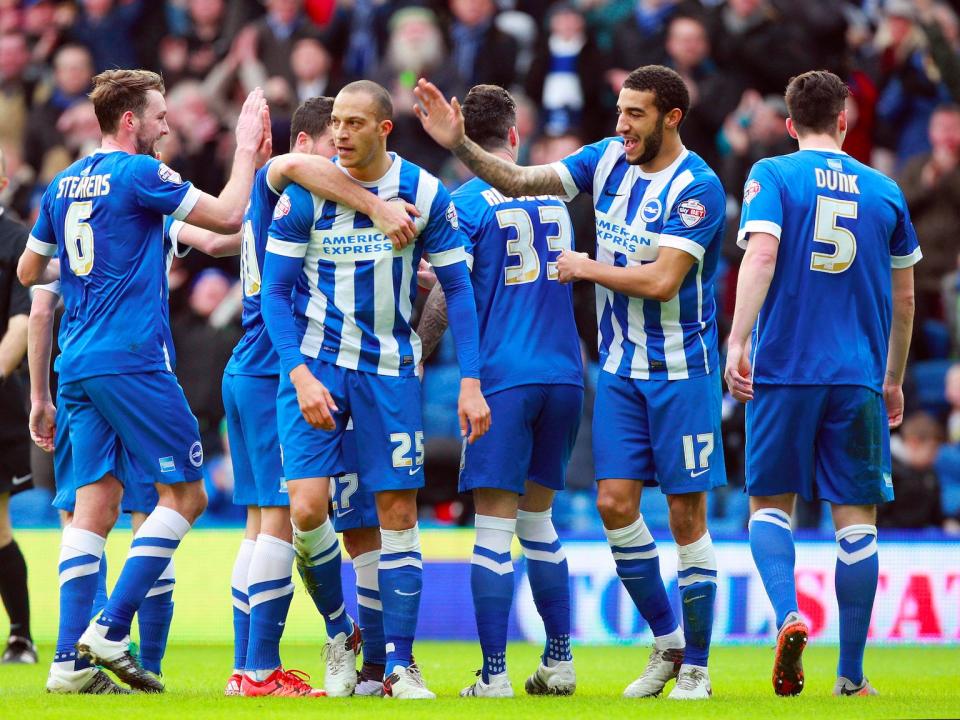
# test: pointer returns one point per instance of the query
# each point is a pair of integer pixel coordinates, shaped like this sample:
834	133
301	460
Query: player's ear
126	120
386	127
791	130
513	137
673	118
842	122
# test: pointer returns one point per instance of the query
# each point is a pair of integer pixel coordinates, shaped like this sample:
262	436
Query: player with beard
103	218
660	213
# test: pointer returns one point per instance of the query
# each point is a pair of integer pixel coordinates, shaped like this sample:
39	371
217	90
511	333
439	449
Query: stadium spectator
312	66
277	32
755	130
910	83
16	89
916	486
758	45
206	42
198	136
106	28
640	39
931	184
203	352
562	78
72	74
481	53
712	93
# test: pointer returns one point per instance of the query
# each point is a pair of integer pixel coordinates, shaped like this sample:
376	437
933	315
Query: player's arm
13	344
901	331
753	283
39	348
287	242
443	121
433	321
206	241
659	280
224	213
324	179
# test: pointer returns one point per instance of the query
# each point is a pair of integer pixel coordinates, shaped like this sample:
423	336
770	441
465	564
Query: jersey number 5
522	246
78	237
827	231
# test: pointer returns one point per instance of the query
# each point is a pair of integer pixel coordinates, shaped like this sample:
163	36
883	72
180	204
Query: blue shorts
354	506
144	414
386	410
664	432
828	442
139	493
250	403
531	437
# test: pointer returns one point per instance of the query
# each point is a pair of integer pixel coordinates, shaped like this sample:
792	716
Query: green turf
914	682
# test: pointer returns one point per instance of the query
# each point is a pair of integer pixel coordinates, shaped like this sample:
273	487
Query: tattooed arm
443	121
433	321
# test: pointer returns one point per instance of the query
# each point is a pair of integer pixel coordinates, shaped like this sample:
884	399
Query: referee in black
14	432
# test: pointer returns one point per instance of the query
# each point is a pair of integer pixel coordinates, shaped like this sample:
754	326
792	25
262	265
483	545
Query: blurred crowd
564	61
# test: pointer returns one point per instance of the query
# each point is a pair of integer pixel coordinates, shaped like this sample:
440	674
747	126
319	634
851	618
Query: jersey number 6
78	237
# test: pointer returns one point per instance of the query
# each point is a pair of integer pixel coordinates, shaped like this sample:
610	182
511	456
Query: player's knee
308	512
687	524
615	510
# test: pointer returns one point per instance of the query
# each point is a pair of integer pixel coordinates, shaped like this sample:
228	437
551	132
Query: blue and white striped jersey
354	296
682	206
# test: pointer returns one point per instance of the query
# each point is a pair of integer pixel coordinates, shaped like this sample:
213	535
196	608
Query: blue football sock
80	554
771	542
270	588
241	604
697	574
369	607
491	583
638	565
549	578
858	568
150	552
153	619
100	599
401	580
318	562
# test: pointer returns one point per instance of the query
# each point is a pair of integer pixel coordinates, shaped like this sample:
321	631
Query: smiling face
151	125
640	125
359	133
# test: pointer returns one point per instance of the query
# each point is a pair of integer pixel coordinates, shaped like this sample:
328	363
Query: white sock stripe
489	522
691	579
697	554
644	555
536	527
846	532
79	571
366	559
168	572
150	551
241	606
271	540
267	595
398	541
241	565
633	535
763	516
402	562
556	557
329	554
534	516
160	589
492	565
848	558
336	613
371	603
74	542
164	522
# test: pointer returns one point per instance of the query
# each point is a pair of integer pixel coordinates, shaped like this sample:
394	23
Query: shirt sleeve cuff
187	204
40	247
757	226
569	186
685	244
448	257
899	262
286	248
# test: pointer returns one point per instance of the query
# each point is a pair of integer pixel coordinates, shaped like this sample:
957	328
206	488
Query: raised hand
442	120
250	123
265	151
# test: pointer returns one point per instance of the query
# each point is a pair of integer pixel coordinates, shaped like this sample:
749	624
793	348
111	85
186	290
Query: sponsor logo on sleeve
691	212
282	208
168	174
751	190
451	216
167	464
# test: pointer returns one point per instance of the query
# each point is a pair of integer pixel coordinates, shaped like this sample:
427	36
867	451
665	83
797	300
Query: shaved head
382	102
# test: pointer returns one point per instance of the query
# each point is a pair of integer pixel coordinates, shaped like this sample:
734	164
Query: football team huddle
323	393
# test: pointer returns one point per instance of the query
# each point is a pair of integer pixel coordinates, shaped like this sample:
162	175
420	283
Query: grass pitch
914	682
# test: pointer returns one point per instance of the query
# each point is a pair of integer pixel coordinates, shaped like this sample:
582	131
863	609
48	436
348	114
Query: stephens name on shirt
84	186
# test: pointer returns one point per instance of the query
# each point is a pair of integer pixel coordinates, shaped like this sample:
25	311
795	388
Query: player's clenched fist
473	410
316	403
738	373
570	265
393	219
